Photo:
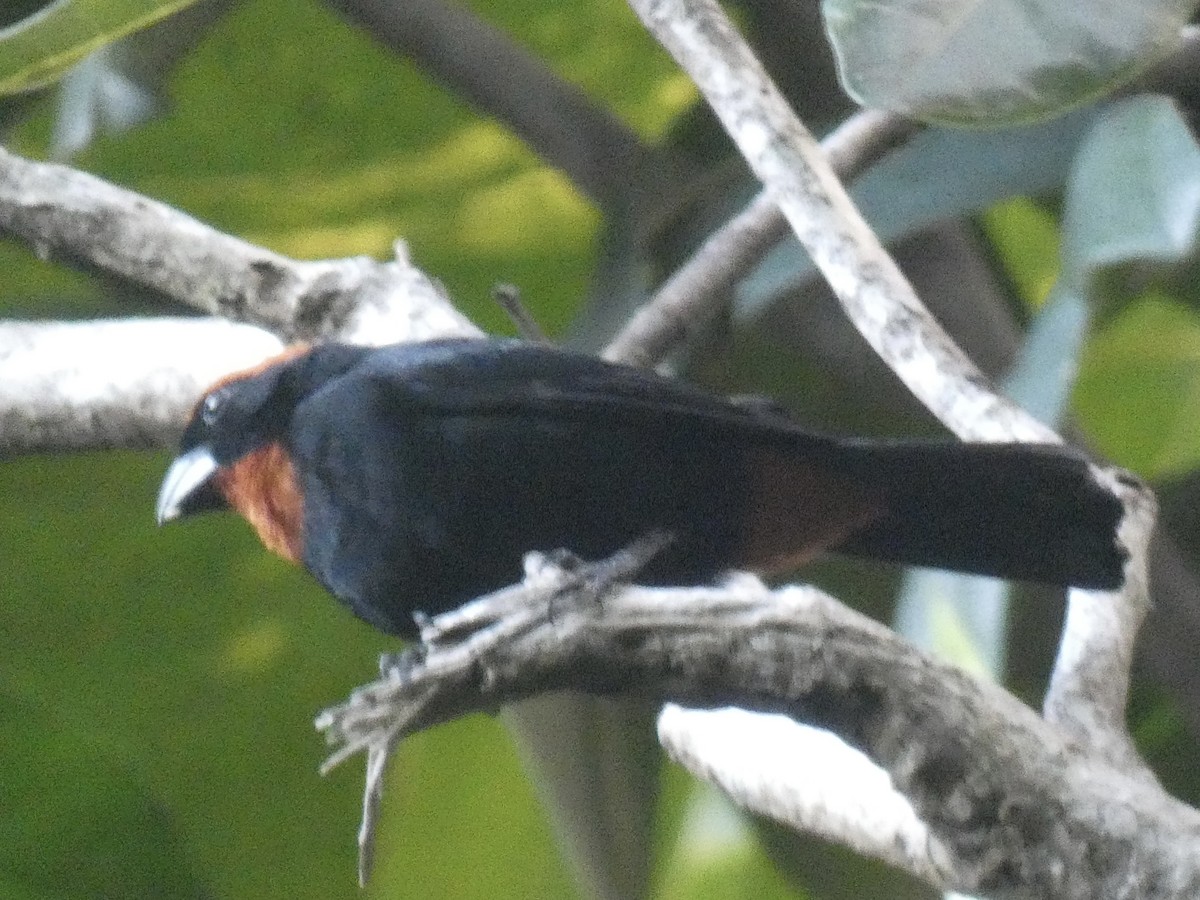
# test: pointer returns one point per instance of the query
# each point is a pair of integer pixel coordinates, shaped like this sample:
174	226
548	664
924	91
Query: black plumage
417	476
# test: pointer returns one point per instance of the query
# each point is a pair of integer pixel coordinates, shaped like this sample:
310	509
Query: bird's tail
1018	511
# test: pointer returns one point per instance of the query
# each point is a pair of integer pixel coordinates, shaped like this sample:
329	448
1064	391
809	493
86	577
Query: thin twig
508	296
701	287
378	716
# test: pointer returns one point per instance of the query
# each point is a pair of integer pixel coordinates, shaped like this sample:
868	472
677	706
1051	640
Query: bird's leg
548	578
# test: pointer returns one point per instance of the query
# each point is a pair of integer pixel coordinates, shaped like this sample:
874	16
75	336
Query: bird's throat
262	486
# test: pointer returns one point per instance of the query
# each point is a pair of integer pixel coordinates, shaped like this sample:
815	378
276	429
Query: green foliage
143	646
41	48
1025	236
1128	235
78	822
999	62
1140	388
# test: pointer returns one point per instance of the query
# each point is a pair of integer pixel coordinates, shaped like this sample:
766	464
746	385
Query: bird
410	478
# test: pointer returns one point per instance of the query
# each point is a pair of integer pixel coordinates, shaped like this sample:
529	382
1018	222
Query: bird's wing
463	377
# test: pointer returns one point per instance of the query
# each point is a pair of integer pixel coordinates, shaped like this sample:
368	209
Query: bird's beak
187	487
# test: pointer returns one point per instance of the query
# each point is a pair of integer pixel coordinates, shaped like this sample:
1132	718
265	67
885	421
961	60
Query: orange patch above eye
262	486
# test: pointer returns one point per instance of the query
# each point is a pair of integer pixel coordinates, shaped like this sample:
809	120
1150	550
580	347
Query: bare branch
700	288
61	211
751	757
1013	810
1089	687
883	306
788	160
80	386
1010	806
488	69
99	385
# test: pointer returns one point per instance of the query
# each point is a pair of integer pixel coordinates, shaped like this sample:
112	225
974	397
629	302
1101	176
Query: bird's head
234	451
236	418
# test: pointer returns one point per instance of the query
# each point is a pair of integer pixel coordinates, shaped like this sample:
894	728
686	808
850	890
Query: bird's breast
262	486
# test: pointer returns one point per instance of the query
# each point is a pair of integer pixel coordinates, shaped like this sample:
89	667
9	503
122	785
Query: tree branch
788	160
113	384
1089	687
61	211
1009	803
701	287
69	386
1012	808
883	306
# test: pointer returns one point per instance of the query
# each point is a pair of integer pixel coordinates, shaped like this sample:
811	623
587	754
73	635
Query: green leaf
999	61
1139	388
1132	208
1134	195
41	48
1025	236
939	174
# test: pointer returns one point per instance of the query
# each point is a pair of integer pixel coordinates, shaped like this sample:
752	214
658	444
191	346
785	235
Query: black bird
414	477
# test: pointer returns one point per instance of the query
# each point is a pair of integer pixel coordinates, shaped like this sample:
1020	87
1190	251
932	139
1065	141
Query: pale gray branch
702	286
789	162
1012	808
1013	805
883	306
113	384
63	212
130	384
1089	687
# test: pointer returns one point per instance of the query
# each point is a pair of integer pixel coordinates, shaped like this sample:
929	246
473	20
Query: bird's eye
210	407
